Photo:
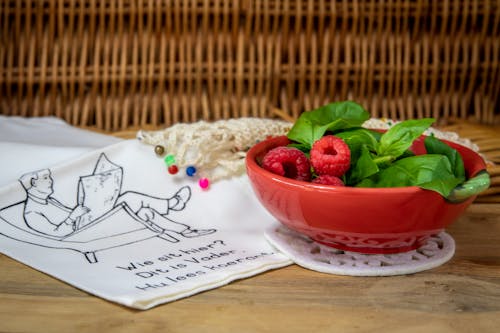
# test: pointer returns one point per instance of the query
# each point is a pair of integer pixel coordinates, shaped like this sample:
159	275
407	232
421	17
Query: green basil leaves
385	159
312	125
400	137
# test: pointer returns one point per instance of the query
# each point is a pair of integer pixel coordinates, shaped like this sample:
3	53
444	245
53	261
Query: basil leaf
400	137
357	138
312	125
470	188
407	153
302	147
362	168
304	131
432	172
441	186
435	146
367	182
362	142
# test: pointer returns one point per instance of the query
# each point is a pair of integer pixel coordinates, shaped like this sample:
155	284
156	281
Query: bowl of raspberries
360	189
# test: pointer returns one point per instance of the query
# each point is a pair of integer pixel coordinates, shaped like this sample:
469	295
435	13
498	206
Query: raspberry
288	162
330	155
328	180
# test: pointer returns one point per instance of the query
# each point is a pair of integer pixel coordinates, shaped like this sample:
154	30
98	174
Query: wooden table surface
463	295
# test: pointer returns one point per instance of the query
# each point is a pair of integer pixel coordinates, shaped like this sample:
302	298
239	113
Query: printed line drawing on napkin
129	251
103	218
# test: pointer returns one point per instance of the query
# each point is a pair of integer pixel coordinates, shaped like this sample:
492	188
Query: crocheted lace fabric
218	149
307	253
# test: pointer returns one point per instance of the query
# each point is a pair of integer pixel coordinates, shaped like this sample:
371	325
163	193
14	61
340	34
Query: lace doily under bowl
365	220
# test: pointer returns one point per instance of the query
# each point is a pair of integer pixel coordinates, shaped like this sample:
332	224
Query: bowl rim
251	163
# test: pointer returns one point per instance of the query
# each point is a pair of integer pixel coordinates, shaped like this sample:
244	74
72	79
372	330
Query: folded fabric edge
150	303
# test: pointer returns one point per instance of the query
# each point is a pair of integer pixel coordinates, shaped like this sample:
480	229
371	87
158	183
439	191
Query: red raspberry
288	162
328	180
330	155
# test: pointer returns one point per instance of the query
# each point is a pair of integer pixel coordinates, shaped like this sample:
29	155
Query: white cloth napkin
28	144
149	237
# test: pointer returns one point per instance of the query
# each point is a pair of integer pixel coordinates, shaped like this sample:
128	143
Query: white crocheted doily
309	254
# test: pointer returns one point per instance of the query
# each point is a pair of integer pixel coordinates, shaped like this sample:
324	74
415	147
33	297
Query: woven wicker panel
112	65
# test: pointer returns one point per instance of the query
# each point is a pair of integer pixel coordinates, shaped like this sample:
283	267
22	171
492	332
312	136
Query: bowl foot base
371	250
310	254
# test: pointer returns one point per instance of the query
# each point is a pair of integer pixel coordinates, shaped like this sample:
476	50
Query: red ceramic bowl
366	220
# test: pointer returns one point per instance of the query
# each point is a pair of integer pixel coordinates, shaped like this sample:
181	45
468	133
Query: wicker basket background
114	65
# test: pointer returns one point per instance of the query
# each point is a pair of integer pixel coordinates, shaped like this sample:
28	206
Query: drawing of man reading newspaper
98	194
